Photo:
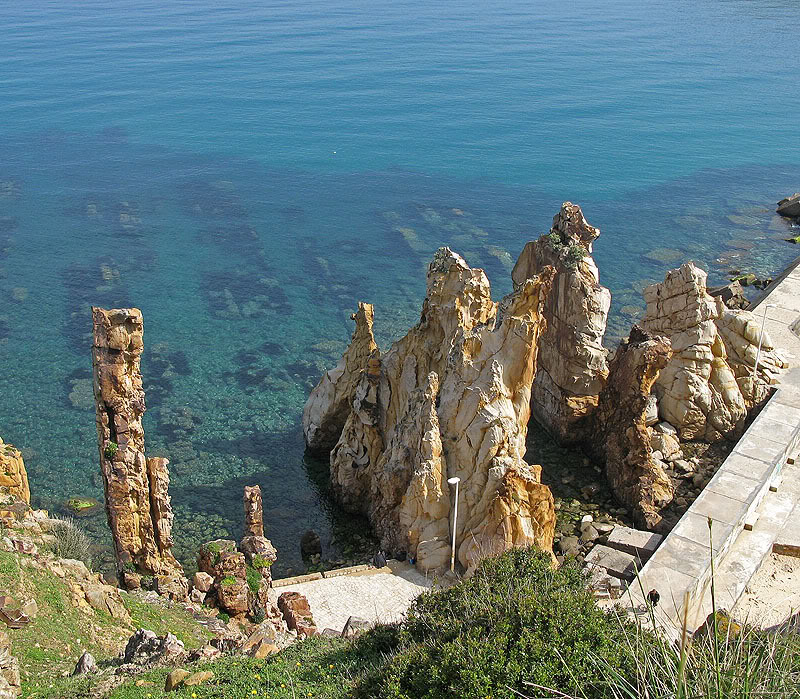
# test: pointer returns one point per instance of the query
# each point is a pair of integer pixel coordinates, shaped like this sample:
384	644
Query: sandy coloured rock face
13	476
621	437
452	398
571	367
707	387
328	405
136	488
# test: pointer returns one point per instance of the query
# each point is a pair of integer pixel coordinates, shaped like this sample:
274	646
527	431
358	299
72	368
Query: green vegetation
259	562
61	631
575	254
227	581
70	541
253	579
554	240
517	628
110	451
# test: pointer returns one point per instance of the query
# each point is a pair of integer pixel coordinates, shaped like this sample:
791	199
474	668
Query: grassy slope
51	645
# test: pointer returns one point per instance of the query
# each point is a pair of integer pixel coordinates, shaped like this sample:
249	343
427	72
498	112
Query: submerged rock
450	399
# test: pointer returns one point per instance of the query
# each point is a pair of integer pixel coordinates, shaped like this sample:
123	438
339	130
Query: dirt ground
773	595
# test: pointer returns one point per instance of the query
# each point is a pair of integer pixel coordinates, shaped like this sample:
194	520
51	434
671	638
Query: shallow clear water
246	172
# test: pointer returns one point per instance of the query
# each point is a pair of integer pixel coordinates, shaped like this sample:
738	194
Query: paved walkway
379	595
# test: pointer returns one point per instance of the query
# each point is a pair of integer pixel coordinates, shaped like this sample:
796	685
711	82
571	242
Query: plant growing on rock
110	451
253	577
575	254
259	562
227	581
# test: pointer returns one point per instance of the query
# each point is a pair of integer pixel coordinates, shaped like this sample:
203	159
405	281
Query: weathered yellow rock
198	678
13	477
136	488
452	398
327	407
176	679
571	367
621	437
707	388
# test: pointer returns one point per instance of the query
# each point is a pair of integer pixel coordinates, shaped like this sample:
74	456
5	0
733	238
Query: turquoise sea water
245	172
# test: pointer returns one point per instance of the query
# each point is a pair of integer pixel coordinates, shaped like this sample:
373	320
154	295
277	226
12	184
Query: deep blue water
246	172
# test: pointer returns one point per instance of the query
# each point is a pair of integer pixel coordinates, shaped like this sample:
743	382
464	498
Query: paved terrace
372	594
752	500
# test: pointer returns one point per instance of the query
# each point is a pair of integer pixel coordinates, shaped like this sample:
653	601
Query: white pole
760	338
454	481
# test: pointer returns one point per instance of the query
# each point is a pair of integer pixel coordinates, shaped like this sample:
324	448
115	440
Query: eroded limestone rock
136	488
13	476
253	511
452	398
328	405
571	367
621	436
707	388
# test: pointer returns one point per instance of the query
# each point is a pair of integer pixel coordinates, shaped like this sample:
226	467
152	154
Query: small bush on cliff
70	541
111	450
517	620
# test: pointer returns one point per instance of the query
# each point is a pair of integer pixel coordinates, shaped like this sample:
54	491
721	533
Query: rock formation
136	488
253	511
571	367
707	388
329	403
452	398
13	477
621	436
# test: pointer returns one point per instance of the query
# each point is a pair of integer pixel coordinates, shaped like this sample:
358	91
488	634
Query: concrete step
618	563
787	542
746	555
634	542
680	569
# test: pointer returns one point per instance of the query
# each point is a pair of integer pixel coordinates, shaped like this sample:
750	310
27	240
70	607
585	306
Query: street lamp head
453	480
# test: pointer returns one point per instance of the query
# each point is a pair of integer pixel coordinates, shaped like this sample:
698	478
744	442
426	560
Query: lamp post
760	338
454	481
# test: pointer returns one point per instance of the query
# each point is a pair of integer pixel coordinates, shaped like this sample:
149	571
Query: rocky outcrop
621	436
253	511
297	614
328	405
708	386
136	488
452	398
10	685
572	366
13	477
790	206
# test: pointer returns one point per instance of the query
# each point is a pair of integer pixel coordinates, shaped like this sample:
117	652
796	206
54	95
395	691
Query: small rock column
13	477
253	511
137	501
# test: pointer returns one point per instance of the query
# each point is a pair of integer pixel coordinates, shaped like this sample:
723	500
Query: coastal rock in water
253	511
328	405
137	501
13	477
621	436
571	368
790	206
707	388
452	398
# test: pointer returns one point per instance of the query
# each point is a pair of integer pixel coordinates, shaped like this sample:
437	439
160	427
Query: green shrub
575	254
70	541
253	579
554	240
111	450
227	581
259	562
517	620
